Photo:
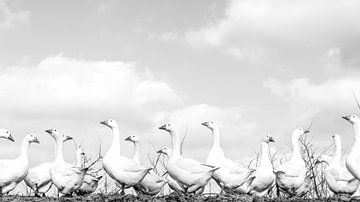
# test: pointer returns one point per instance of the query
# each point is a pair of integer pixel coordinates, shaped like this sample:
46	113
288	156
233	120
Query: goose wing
341	174
192	165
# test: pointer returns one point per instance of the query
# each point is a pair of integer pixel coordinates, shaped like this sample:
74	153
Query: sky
253	66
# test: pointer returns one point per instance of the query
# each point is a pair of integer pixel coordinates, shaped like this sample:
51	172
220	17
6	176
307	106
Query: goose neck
115	145
296	147
24	149
216	137
356	128
137	151
337	156
265	155
175	143
59	151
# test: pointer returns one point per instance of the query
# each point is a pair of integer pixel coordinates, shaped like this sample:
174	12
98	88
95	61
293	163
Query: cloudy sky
253	66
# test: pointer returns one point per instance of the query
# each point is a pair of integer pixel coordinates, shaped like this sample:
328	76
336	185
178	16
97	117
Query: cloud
9	19
73	95
264	30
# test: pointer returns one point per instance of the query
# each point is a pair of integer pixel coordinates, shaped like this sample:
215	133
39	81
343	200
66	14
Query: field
171	197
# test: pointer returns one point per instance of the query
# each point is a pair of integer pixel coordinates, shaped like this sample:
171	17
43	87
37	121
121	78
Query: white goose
173	184
190	173
230	175
39	179
338	178
152	183
353	159
263	178
65	176
5	134
12	171
90	181
126	172
291	174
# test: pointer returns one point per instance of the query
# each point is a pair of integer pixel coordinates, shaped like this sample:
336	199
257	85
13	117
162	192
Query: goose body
353	159
230	175
190	173
13	171
152	183
39	179
126	172
338	178
263	178
173	184
65	176
291	174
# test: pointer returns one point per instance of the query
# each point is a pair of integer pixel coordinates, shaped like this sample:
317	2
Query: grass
170	197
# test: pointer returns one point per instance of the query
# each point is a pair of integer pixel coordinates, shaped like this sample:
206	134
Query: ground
171	197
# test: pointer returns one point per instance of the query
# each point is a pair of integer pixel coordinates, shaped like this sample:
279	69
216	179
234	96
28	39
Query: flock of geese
185	175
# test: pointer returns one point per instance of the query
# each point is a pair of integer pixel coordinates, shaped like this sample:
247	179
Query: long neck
175	143
265	155
115	146
337	156
136	156
59	151
216	138
356	128
296	147
24	148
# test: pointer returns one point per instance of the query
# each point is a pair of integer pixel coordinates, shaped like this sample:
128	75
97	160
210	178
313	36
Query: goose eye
7	131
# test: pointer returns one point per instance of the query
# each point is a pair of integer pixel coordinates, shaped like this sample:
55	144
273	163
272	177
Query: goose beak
205	124
346	118
36	141
163	127
306	131
68	138
11	138
271	139
128	139
104	123
48	131
159	151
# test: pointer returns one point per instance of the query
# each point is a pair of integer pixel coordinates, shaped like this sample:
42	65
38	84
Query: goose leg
122	189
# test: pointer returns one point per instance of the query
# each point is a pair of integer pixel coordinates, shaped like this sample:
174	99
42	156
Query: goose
5	134
173	184
353	159
65	176
192	174
152	183
230	175
12	171
263	178
338	178
39	179
291	174
90	182
126	172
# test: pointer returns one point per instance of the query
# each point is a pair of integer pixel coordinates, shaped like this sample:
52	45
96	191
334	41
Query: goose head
300	131
132	138
57	135
353	119
31	138
164	150
210	124
167	127
111	123
268	138
323	159
5	133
